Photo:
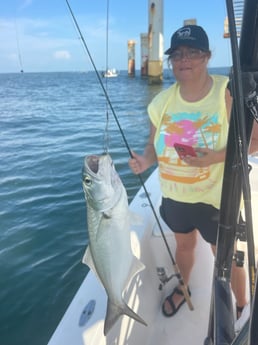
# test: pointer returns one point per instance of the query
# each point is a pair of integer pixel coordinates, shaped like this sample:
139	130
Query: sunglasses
191	54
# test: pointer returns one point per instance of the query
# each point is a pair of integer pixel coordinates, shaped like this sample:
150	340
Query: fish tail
114	311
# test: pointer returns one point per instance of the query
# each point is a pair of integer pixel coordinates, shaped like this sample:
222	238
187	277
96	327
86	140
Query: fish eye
87	180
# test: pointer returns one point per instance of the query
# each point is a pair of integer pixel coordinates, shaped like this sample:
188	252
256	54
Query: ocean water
48	123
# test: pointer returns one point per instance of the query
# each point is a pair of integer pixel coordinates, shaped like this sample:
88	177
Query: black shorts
184	217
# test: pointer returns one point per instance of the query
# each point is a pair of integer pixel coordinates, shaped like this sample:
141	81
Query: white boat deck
145	298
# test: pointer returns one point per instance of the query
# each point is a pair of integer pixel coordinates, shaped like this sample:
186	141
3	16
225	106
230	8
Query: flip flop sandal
169	299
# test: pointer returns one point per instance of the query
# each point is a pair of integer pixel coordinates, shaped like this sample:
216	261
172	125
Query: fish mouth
93	163
101	184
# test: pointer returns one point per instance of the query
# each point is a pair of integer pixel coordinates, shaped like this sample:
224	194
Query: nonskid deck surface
184	326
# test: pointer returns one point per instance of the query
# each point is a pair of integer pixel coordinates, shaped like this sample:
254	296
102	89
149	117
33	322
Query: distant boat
110	73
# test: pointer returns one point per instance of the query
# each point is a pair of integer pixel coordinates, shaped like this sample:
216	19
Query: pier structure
155	41
191	21
144	54
131	57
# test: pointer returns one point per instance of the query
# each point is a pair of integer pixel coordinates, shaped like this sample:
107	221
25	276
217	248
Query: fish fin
136	267
87	258
114	311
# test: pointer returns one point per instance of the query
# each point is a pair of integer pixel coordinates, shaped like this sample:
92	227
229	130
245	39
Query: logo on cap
184	33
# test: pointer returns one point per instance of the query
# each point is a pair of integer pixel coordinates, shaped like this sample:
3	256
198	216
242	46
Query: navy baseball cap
192	36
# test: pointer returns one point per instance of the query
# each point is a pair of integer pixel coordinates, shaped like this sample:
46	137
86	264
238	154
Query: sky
40	36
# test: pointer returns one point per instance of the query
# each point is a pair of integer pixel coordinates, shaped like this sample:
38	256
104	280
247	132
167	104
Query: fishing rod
235	184
248	57
175	266
253	331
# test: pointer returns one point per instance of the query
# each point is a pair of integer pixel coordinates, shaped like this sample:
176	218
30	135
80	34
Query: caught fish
109	252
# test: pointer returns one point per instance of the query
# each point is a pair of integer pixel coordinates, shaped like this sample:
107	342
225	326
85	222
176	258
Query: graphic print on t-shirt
194	129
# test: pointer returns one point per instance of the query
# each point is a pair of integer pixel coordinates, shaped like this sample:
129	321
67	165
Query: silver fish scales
109	252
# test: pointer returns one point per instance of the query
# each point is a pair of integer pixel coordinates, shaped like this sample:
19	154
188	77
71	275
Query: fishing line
18	47
175	267
106	135
98	76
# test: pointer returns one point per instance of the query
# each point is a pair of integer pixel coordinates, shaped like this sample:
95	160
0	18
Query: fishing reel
241	232
239	255
250	91
163	277
239	258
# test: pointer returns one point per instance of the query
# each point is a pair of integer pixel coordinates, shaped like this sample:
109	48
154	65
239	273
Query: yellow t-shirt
199	124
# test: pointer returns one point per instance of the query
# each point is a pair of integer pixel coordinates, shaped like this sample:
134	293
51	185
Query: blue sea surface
48	123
